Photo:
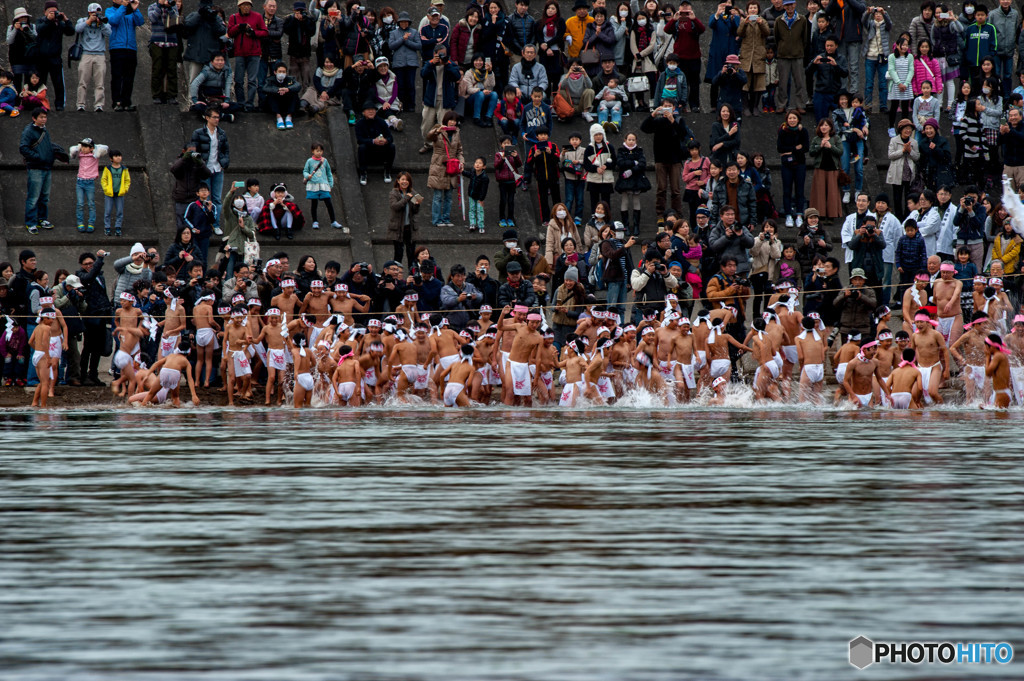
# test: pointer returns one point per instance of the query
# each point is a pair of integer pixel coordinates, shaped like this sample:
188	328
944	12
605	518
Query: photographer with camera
242	282
457	296
730	238
867	245
423	281
49	53
188	171
812	241
130	270
670	138
124	18
387	290
820	289
855	305
482	280
204	29
687	28
765	254
729	83
93	33
21	46
650	282
970	223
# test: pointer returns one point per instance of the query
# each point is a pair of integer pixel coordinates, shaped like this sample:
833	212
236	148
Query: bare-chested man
346	378
932	357
810	348
718	349
407	309
767	374
790	321
597	370
287	301
914	298
458	376
684	362
170	369
236	352
507	330
525	347
445	343
302	359
273	337
128	330
344	303
376	373
409	361
1015	341
547	357
663	343
841	358
574	366
946	291
904	383
863	381
998	370
206	335
40	344
173	322
971	353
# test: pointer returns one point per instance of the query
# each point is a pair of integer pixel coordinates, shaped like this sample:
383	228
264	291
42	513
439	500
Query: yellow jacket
107	181
577	29
1007	250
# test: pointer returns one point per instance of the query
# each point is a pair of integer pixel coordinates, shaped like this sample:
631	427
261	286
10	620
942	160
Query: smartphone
239	185
487	61
334	12
417	197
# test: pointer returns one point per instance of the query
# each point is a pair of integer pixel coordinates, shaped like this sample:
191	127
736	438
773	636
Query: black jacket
670	139
299	33
487	286
476	188
188	172
368	130
50	38
201	141
517	295
97	301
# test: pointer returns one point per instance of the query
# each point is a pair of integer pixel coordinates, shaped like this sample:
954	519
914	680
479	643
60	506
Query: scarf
132	268
330	73
478	75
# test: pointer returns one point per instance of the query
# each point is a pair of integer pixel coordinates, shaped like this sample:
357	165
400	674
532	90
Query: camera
869	229
742	282
968	200
364	269
149	256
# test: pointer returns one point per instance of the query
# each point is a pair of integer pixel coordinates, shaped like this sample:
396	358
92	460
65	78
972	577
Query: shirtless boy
863	380
344	303
346	378
971	353
458	376
574	366
40	344
236	352
904	383
173	322
810	348
171	367
126	326
998	369
206	335
932	357
947	299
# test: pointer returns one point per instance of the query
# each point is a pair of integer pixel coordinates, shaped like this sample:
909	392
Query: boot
624	219
636	223
755	103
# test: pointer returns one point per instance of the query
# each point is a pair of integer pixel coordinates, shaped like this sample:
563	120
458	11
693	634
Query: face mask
620	235
986	90
623	13
281	77
599	216
968	9
240	204
510	245
561	214
388	19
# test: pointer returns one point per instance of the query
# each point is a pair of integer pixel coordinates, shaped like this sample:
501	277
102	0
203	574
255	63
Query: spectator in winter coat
248	31
93	34
50	29
204	29
405	46
687	28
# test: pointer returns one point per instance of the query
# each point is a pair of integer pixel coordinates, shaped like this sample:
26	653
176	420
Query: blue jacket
450	93
122	27
981	42
911	254
971	228
37	148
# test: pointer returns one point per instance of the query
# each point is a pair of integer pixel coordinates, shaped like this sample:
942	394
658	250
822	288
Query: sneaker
580	222
399	125
98	109
118	107
89	229
846	197
316	225
106	231
588	117
503	224
290	235
15	113
336	225
480	231
362	179
472	228
81	228
32	229
81	108
288	123
789	221
425	149
387	177
799	221
351	117
117	231
280	124
46	224
218	231
892	132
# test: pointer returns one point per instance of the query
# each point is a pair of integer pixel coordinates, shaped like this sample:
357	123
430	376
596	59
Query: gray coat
735	246
1007	27
456	311
204	32
125	279
405	52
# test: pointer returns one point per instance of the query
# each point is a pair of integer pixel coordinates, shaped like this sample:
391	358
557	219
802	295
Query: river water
416	545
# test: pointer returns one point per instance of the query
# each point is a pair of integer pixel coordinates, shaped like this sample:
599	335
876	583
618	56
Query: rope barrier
749	296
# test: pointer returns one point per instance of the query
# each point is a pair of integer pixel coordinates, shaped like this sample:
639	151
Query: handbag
451	165
76	50
251	252
562	105
589	55
844	179
638	84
